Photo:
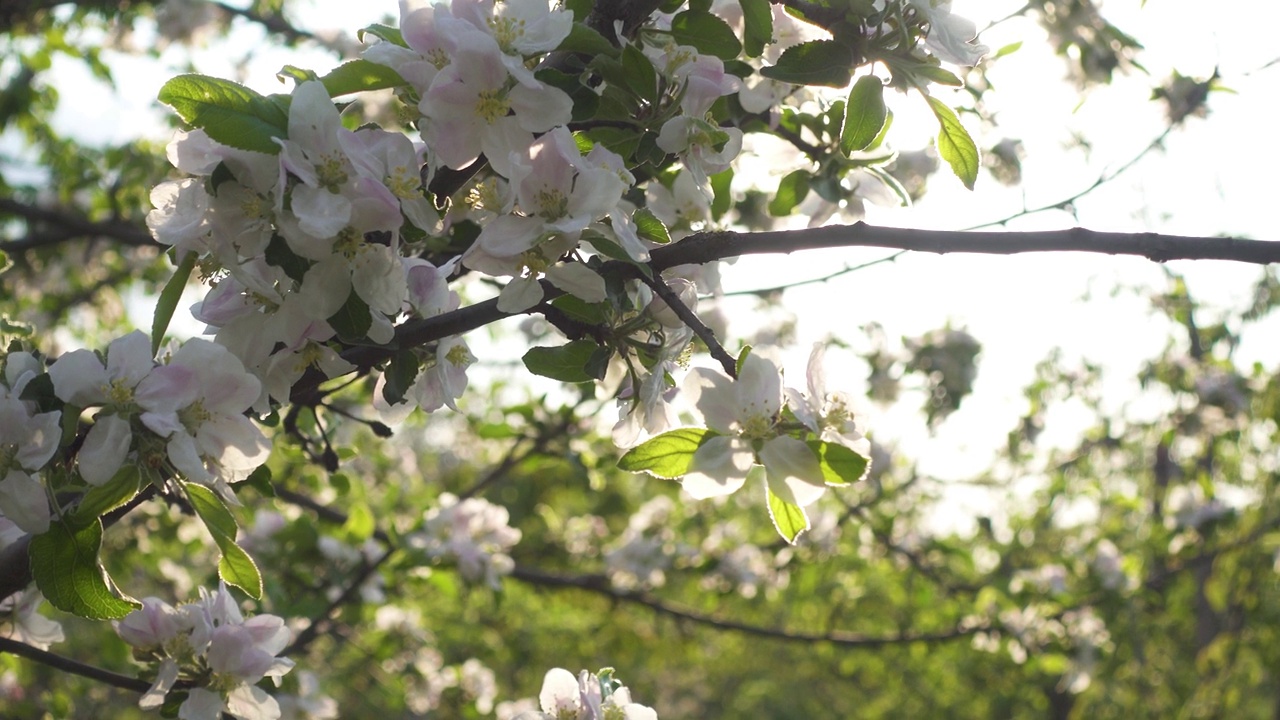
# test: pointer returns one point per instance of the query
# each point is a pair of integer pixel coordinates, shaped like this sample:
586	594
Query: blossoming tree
577	163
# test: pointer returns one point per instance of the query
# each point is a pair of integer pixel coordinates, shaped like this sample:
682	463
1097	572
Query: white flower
950	35
21	620
27	443
81	379
198	401
474	532
828	414
180	215
744	412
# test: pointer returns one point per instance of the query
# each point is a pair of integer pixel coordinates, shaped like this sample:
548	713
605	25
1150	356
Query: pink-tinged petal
456	142
78	378
793	470
540	109
321	214
234	442
194	153
805	411
24	501
154	623
313	119
760	387
43	433
578	280
163	424
378	278
816	374
168	388
201	704
500	140
560	694
105	448
249	702
166	676
719	467
185	457
519	295
129	358
714	396
509	235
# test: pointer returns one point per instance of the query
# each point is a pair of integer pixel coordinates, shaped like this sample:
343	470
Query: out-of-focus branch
64	225
600	585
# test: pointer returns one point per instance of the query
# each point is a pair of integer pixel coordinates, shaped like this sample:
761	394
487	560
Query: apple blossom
745	413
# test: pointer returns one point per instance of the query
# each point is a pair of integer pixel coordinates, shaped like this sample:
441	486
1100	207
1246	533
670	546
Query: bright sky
1215	177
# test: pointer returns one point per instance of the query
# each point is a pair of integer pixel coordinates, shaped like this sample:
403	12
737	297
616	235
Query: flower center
492	105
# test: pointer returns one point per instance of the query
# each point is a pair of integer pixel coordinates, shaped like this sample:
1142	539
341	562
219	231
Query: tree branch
599	585
71	225
75	667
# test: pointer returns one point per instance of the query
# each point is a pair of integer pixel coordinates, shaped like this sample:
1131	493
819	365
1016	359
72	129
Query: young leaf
720	187
792	191
840	465
864	114
639	74
565	363
817	62
649	227
385	33
231	113
168	301
706	32
352	321
667	455
235	567
584	39
108	496
757	20
360	76
399	376
954	144
789	519
65	565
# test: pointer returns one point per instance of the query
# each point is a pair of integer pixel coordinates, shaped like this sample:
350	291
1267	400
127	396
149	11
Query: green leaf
954	144
399	376
757	20
1009	49
235	567
706	32
864	114
649	227
936	74
168	302
581	310
360	523
238	569
667	455
360	76
117	491
382	32
840	465
65	565
723	198
639	74
817	62
565	363
792	191
279	255
790	520
352	321
230	113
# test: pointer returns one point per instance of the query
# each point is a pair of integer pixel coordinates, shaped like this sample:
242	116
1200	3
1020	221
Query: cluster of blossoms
186	415
209	644
586	697
473	533
750	429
